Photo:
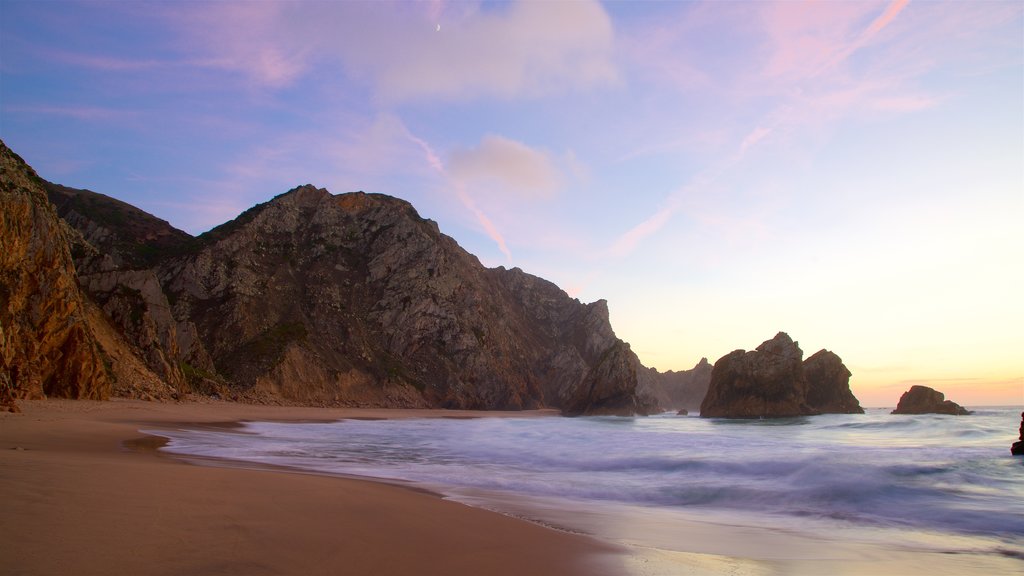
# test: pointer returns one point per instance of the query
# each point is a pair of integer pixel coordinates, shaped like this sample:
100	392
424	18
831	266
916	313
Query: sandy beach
86	493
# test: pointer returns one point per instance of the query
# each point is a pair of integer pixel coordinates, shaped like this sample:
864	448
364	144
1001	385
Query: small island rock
764	383
774	381
1017	449
925	400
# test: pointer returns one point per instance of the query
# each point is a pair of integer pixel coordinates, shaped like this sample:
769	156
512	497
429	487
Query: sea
850	494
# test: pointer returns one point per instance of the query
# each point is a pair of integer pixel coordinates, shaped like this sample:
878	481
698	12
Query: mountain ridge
334	299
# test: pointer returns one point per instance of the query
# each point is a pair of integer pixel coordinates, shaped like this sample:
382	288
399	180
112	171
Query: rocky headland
311	298
773	381
925	400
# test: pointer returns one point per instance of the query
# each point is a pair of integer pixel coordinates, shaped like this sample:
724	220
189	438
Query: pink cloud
755	136
522	49
509	165
808	46
432	159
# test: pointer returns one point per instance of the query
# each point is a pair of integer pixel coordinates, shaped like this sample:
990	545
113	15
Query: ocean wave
936	473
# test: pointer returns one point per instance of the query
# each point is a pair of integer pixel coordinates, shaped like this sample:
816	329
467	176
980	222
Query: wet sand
84	492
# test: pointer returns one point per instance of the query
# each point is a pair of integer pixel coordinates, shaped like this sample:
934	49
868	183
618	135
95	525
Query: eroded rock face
364	302
116	245
764	383
46	345
681	391
828	385
925	400
353	299
773	381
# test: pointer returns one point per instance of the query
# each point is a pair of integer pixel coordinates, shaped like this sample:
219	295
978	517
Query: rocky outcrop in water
773	381
828	385
925	400
47	347
1017	448
764	383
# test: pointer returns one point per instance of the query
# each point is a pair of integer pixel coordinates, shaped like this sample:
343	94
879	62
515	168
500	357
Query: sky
851	173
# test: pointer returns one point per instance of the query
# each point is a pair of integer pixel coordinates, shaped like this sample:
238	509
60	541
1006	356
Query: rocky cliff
925	400
47	347
356	299
349	299
773	381
676	391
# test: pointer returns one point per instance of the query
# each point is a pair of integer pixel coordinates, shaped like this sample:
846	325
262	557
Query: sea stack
773	381
925	400
1017	449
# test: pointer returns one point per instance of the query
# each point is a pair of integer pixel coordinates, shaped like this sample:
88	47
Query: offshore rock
772	382
47	347
925	400
767	382
828	385
1017	448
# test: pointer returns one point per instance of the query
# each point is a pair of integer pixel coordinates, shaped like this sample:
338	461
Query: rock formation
47	347
356	299
773	382
764	383
1017	448
352	299
676	391
925	400
828	385
117	244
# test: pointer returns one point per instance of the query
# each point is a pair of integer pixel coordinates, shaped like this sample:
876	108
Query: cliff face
113	254
355	299
773	381
352	299
47	348
674	391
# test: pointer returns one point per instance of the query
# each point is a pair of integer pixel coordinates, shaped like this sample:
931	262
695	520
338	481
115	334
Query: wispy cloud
86	113
434	161
808	46
500	162
521	49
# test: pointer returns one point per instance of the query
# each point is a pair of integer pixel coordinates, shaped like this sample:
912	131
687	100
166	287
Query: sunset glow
851	173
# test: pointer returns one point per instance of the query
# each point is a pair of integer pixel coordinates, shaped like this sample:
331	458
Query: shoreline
86	467
79	499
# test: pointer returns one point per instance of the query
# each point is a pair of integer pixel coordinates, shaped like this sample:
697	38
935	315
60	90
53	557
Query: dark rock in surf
1017	449
925	400
773	382
767	382
828	385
